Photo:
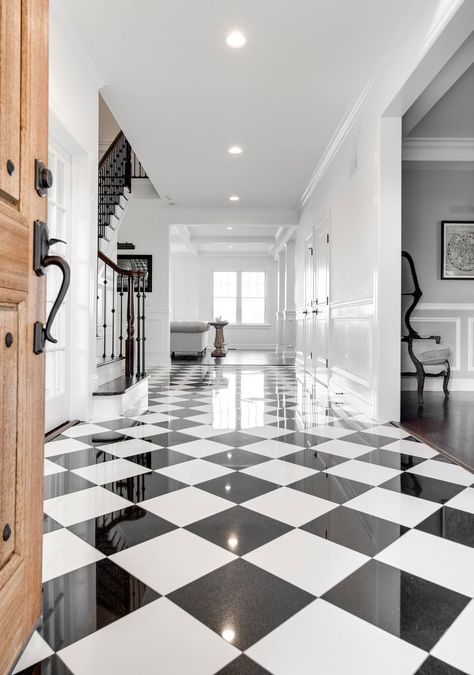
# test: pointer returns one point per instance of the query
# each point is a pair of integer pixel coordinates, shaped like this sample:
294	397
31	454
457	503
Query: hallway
186	539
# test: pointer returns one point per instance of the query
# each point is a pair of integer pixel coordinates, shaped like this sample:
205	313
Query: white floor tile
202	431
400	508
411	448
443	471
456	647
108	472
83	505
200	448
195	471
141	431
463	500
186	506
84	430
64	552
281	473
51	468
134	446
173	560
344	448
63	447
325	639
290	506
389	431
36	650
154	417
159	637
271	448
309	562
439	560
364	472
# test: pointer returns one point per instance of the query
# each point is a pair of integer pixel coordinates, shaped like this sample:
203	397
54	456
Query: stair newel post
120	282
104	313
143	328
139	327
112	311
129	342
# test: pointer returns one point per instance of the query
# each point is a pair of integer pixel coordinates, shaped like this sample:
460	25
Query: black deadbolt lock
7	530
9	339
43	178
10	167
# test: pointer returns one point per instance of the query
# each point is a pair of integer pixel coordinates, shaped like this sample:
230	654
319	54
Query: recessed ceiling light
235	150
234	198
236	39
230	246
228	228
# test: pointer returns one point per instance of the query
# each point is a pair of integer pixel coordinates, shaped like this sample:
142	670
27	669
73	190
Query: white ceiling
183	97
220	240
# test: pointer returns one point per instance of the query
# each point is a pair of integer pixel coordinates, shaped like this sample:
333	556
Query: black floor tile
239	530
426	488
185	412
122	529
58	484
226	600
372	440
242	665
177	425
237	458
433	666
302	439
407	606
237	487
81	458
50	666
102	438
88	599
159	459
168	439
294	425
49	525
393	460
314	459
354	529
147	485
287	413
329	487
355	425
121	423
451	524
235	439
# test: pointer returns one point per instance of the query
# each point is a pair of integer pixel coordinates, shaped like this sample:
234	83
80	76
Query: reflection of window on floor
242	406
239	297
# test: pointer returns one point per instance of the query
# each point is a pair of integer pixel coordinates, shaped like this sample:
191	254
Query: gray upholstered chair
188	337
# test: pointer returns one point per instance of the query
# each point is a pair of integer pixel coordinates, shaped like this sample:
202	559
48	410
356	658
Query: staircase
120	323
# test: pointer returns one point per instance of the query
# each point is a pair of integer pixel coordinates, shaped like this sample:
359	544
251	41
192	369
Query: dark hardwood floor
447	424
238	357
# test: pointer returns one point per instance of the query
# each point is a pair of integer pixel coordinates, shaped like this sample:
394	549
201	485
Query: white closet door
321	318
58	355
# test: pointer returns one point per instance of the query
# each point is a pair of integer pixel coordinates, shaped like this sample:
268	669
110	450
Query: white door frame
444	41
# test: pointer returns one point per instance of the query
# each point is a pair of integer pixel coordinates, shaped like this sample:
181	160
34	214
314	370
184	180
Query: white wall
144	226
433	192
358	182
73	104
191	295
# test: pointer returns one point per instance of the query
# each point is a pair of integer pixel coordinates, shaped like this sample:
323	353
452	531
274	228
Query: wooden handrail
120	270
110	148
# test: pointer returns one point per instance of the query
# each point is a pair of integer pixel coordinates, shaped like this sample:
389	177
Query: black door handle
41	261
305	311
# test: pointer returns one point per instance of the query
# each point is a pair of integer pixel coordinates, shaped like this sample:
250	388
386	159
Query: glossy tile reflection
245	510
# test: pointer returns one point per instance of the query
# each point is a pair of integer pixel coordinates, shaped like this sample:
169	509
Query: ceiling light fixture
236	39
228	228
234	198
235	150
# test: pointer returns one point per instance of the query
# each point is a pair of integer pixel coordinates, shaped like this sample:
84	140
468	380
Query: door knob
43	178
42	260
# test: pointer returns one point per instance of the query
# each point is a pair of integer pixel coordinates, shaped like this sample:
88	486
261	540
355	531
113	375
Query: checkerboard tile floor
245	525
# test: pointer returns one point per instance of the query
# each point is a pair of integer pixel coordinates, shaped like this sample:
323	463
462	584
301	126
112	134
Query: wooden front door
23	139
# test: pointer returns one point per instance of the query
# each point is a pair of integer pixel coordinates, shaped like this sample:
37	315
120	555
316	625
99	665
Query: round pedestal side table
219	341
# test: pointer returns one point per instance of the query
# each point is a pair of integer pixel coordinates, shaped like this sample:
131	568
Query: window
239	297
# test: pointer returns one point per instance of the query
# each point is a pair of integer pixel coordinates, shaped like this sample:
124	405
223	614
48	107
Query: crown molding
61	15
438	150
443	17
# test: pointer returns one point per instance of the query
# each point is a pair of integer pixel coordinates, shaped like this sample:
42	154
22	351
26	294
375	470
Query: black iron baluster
143	328
104	325
129	342
112	355
121	316
139	328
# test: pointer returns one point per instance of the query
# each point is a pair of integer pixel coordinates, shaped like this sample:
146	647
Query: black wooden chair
430	356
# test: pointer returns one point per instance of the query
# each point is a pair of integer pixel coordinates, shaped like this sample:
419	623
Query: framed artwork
138	262
457	249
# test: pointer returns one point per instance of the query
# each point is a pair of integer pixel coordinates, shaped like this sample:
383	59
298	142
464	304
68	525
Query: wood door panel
8	425
13	253
10	97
